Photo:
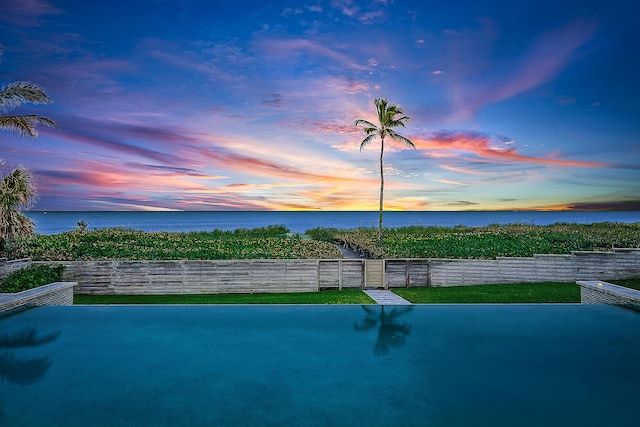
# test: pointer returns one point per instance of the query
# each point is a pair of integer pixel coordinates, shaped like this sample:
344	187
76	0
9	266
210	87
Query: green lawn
549	292
629	283
325	297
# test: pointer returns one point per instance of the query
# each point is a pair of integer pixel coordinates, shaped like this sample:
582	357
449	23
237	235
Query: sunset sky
249	105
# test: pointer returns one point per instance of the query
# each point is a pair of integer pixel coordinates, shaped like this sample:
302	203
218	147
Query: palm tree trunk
381	193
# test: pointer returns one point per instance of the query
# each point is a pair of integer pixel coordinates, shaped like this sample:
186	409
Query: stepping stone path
386	297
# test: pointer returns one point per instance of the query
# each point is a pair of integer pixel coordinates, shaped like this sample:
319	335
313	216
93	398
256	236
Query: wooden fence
7	267
265	276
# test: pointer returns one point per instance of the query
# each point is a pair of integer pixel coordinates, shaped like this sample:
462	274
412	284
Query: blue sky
217	105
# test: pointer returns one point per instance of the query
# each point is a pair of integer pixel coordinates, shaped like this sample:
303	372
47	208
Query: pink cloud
266	168
484	147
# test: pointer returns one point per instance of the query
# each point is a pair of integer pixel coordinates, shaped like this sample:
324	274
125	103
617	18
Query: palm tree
389	116
17	192
17	189
18	93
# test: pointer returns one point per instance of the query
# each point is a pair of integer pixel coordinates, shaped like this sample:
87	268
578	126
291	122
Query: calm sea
299	222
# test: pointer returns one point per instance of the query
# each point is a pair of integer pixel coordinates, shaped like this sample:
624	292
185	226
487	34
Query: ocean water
300	221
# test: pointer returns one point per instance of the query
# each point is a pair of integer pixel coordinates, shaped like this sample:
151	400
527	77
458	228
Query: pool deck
386	297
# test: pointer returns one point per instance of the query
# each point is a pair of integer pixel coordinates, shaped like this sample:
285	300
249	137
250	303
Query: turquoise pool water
443	365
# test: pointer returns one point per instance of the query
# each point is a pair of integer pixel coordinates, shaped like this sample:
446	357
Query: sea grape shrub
515	240
275	242
41	248
116	243
323	234
30	277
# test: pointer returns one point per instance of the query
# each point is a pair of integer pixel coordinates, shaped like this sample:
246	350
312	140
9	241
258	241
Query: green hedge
31	277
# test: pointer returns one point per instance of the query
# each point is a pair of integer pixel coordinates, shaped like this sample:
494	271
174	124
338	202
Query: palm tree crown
17	192
389	116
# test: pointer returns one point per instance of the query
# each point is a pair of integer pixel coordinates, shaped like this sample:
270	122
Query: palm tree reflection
23	371
390	333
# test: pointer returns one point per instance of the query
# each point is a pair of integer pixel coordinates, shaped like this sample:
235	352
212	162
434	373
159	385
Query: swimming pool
436	365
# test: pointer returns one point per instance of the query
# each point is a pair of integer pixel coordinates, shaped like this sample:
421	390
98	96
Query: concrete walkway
386	297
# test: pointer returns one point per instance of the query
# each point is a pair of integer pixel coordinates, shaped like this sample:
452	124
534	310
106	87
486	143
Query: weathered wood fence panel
402	273
193	277
617	264
7	267
255	276
374	273
340	273
461	272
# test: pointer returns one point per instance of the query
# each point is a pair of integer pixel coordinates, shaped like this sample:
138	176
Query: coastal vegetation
389	116
514	240
276	242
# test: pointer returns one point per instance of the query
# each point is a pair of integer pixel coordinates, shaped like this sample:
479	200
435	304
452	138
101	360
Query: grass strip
628	283
350	296
545	292
521	293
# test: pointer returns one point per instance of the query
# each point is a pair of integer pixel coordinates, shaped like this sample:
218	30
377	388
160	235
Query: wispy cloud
450	182
217	111
289	49
26	13
353	10
466	171
487	147
274	100
546	57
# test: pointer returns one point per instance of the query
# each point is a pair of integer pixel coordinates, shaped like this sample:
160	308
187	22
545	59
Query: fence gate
374	273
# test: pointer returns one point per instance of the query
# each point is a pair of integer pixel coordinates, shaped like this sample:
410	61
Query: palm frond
18	93
397	137
399	122
367	141
25	125
367	123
